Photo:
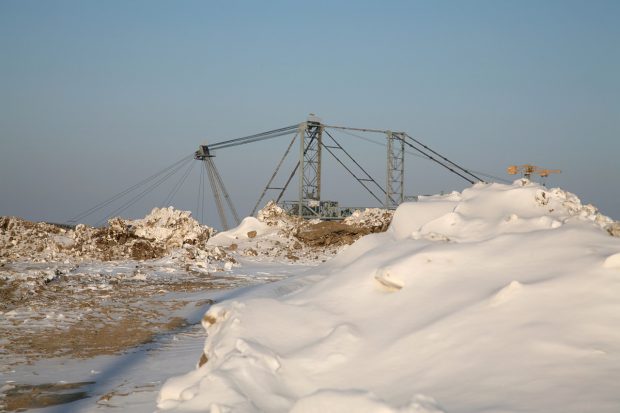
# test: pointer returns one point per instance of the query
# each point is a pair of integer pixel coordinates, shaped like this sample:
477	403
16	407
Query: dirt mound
315	232
172	227
614	229
275	234
375	219
327	233
314	239
158	234
166	230
24	239
347	231
272	214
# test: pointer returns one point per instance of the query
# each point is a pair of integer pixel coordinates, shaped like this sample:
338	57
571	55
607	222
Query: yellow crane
528	170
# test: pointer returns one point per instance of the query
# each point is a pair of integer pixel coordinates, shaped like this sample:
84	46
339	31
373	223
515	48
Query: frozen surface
128	380
502	298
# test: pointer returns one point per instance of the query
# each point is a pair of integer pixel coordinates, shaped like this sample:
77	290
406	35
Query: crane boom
205	149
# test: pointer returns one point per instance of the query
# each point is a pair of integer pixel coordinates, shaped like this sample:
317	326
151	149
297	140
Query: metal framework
362	176
314	136
311	143
395	184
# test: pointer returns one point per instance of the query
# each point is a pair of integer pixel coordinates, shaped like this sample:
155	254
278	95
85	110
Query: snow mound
501	298
488	210
250	227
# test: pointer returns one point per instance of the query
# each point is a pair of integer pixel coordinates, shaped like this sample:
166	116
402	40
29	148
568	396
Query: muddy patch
22	397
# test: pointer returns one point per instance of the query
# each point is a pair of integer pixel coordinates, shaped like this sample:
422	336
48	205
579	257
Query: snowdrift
502	298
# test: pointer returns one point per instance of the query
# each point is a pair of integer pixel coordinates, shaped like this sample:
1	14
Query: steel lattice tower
311	133
395	169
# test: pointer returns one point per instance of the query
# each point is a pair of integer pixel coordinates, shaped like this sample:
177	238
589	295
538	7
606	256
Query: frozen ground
92	349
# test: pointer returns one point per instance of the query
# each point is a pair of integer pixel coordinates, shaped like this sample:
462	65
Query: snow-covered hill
502	298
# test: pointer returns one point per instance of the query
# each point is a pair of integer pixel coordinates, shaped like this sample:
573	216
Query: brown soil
614	229
87	340
329	233
97	321
22	397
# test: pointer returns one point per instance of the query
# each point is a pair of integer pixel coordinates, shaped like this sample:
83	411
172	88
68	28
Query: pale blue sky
96	95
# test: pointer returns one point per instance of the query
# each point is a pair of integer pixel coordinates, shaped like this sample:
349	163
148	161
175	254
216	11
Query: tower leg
395	169
311	134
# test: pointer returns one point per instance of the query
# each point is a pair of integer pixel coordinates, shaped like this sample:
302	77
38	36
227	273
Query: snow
501	298
248	225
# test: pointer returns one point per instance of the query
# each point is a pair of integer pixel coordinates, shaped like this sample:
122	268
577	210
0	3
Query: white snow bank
249	225
502	298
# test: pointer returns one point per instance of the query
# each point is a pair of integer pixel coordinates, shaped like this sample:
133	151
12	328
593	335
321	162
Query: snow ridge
501	298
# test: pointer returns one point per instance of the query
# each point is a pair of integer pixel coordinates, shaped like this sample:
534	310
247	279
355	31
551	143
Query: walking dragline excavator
314	137
315	142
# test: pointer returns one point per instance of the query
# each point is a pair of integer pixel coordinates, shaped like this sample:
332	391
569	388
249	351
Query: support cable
351	172
175	189
216	193
497	178
354	161
422	156
438	162
417	155
225	192
199	208
202	211
218	146
107	202
360	180
444	158
288	181
141	195
343	128
273	176
253	138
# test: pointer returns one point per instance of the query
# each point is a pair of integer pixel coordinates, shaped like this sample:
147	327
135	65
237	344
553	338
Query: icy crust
502	298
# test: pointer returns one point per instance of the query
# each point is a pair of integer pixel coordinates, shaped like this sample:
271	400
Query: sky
96	96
